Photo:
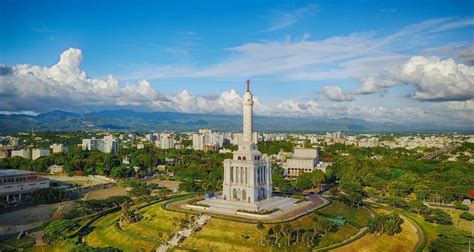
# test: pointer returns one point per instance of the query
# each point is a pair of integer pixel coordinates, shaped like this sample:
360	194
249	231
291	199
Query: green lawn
434	230
224	235
344	232
360	216
25	242
139	235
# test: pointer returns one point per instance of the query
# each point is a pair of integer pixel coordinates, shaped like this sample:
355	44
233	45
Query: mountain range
128	120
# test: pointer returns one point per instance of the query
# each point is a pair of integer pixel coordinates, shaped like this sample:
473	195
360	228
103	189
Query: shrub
467	216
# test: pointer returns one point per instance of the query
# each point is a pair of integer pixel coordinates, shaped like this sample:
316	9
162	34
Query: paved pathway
183	234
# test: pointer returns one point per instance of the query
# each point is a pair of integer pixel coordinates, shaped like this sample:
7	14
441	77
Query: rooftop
11	172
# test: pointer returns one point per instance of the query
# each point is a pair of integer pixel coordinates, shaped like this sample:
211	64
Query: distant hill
128	120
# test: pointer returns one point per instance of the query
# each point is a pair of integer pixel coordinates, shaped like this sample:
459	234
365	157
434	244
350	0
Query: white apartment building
108	144
37	153
24	153
167	141
206	139
58	148
198	141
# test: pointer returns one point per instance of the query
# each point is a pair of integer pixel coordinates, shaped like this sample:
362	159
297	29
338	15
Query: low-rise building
56	169
303	160
16	186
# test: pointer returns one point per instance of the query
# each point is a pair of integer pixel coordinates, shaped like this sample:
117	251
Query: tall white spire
247	114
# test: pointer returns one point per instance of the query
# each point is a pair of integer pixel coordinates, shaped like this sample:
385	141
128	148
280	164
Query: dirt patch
105	193
34	214
170	184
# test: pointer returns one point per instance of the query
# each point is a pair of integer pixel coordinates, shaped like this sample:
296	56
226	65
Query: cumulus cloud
372	84
467	55
65	86
433	78
461	105
438	80
334	93
325	110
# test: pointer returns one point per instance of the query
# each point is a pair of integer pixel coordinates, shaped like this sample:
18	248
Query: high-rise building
37	153
205	138
24	153
108	144
167	140
198	141
58	148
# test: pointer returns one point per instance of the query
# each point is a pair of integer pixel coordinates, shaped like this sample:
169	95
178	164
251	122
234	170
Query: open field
105	193
404	241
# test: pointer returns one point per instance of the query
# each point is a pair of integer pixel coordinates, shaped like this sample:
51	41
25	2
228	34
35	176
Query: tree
317	178
303	181
416	206
287	231
59	229
49	195
327	225
260	228
421	191
437	216
382	223
334	192
315	220
308	238
467	216
277	230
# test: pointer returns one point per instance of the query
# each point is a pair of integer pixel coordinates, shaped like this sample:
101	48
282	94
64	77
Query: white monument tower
247	185
247	177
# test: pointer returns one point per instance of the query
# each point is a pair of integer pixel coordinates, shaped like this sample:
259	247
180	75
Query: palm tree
277	229
287	230
260	228
315	220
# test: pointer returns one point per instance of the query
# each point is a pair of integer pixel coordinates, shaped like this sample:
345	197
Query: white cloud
280	19
373	84
438	80
467	55
65	86
334	93
433	78
461	105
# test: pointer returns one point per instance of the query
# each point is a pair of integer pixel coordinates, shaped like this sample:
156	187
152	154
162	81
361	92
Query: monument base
260	209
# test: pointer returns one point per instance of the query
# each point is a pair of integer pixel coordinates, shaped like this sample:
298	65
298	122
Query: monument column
247	113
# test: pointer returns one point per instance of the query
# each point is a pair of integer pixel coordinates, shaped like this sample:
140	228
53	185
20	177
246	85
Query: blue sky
312	58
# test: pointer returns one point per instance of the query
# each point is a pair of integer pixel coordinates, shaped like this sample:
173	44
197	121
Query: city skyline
373	61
